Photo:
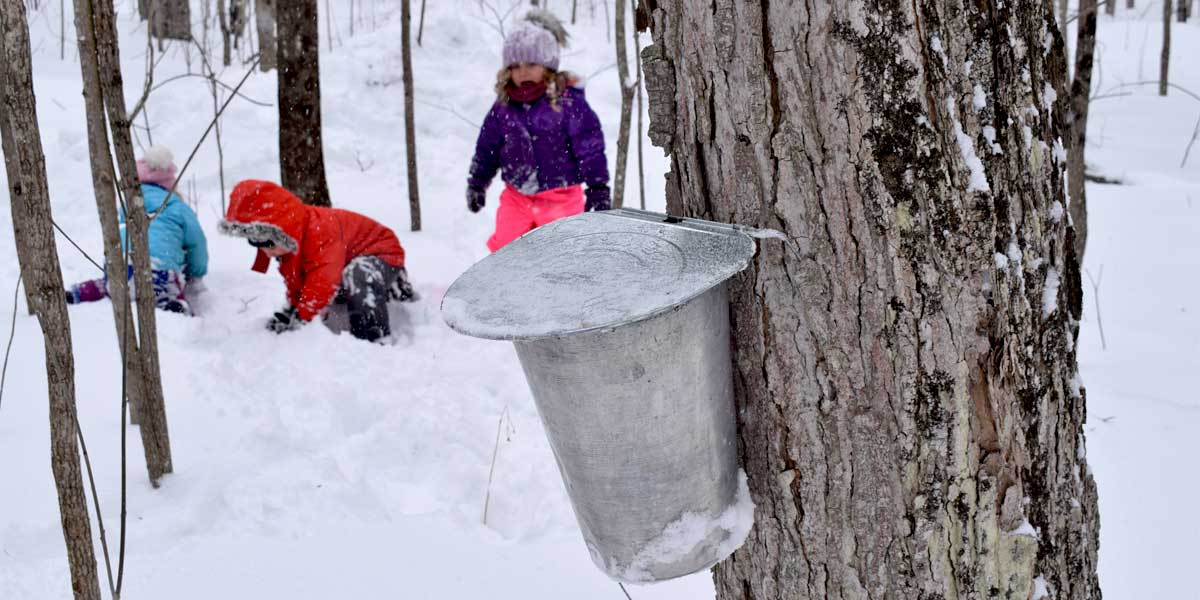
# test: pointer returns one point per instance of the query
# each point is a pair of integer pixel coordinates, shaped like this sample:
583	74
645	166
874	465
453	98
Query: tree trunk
421	25
264	22
1128	3
910	414
1184	11
153	418
410	134
301	158
1077	118
226	34
169	19
574	6
637	56
237	19
618	197
1110	8
103	178
1062	16
37	255
1163	82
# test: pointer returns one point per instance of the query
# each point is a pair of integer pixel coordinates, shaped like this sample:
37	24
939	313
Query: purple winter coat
538	148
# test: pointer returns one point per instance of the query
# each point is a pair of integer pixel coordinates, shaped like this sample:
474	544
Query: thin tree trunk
1110	8
637	56
618	198
410	133
421	25
1163	82
301	157
264	22
1128	3
169	19
103	178
910	414
1062	15
226	34
1184	11
155	440
574	6
1077	118
237	20
37	255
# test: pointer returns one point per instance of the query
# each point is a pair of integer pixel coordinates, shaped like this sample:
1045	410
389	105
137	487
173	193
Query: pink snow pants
519	214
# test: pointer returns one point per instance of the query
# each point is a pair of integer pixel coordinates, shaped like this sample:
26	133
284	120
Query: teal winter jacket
176	240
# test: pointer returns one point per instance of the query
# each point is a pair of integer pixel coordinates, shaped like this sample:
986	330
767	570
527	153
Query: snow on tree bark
37	254
301	157
910	412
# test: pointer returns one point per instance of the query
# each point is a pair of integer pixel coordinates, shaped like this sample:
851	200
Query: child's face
275	251
526	73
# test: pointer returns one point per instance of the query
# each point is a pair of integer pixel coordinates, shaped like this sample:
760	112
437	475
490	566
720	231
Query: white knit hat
536	39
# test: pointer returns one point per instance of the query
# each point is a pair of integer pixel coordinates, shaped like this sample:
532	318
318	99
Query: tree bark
301	157
1110	8
637	55
37	256
1062	15
1184	11
1164	63
153	418
618	197
910	414
264	22
1077	118
226	34
103	99
410	134
103	178
169	19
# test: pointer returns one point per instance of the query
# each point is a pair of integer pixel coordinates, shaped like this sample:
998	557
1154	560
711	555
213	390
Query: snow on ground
317	466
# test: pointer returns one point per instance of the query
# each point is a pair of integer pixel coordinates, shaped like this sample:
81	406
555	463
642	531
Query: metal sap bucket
621	324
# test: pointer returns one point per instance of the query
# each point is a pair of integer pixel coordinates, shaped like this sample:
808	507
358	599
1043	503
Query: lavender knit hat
536	39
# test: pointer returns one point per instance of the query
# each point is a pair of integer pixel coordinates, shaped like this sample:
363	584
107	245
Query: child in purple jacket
541	134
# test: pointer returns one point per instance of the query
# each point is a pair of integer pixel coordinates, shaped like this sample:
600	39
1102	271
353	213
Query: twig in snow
12	333
358	159
1096	295
627	596
487	497
1195	133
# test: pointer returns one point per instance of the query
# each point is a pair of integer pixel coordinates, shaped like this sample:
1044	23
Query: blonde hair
556	83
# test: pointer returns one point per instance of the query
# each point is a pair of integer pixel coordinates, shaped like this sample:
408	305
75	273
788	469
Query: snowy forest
599	299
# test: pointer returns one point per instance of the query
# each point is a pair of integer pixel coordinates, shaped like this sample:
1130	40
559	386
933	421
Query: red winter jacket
323	240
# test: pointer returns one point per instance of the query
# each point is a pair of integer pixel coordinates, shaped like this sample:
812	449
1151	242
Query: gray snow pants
367	284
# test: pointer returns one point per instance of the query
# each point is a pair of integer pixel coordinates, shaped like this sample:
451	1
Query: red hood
253	201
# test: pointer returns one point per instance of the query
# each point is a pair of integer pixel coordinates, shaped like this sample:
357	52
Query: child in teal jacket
178	249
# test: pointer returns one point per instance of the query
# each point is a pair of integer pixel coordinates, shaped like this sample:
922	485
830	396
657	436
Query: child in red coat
325	255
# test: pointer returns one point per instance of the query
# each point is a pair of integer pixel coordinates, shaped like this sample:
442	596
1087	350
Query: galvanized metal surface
593	271
641	421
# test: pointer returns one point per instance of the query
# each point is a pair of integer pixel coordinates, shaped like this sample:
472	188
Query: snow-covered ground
317	466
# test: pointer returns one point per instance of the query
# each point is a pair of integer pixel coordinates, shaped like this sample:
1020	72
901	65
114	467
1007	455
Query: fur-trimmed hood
265	211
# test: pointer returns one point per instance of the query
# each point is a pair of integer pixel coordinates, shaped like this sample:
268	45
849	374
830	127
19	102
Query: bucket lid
593	271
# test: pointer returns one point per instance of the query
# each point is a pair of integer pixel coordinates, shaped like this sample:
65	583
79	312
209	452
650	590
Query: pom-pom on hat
536	39
157	166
